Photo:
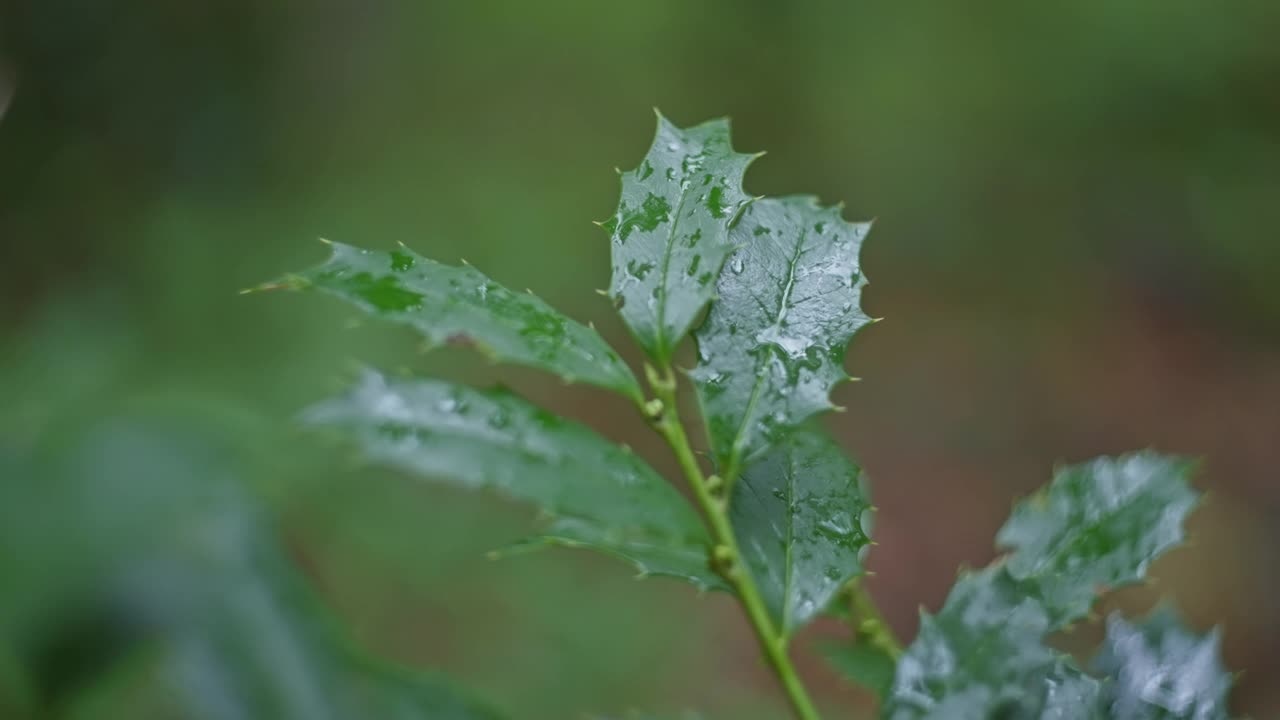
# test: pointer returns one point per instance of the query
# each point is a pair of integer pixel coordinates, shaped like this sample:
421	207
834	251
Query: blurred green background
1075	252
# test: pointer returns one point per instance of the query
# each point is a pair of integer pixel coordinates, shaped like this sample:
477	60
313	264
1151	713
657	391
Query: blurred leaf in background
142	582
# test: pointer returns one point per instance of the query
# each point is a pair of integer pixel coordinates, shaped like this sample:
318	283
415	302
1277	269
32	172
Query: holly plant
779	516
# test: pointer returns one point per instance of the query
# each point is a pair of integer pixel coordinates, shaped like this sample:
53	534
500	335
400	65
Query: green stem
869	624
726	558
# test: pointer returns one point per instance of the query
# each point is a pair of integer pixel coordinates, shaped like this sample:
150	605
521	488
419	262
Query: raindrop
835	526
737	266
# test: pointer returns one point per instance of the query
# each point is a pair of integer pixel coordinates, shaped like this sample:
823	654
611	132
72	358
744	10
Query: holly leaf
773	345
598	494
1098	525
684	560
981	656
798	515
460	305
670	235
1160	670
1069	694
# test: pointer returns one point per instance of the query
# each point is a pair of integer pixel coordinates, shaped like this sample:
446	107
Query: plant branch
726	558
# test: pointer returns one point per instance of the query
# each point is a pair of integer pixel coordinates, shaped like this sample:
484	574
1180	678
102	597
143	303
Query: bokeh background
1075	253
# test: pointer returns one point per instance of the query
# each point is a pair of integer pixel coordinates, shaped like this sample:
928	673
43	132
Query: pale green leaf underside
1098	525
798	515
773	345
448	304
598	494
1160	670
670	234
982	652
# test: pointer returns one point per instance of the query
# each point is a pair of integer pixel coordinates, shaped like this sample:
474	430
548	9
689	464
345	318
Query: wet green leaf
598	494
449	304
798	515
1098	525
670	234
980	656
1160	670
1069	694
773	345
683	560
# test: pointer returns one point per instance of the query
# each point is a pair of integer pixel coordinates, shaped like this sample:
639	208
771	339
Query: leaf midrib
736	448
661	328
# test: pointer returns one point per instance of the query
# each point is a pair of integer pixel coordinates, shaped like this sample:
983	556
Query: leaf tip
291	282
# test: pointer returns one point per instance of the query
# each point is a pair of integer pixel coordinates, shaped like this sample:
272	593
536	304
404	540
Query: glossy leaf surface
600	495
1098	525
1160	670
670	234
773	345
798	515
448	304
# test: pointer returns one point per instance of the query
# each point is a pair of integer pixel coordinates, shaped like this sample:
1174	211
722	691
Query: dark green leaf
449	304
670	235
1160	670
773	345
798	515
864	664
1098	525
601	495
